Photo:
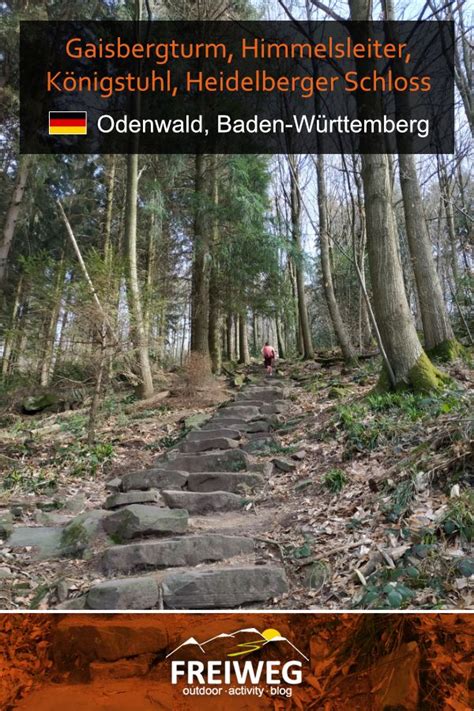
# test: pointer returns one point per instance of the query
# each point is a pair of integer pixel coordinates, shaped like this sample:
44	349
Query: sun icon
270	634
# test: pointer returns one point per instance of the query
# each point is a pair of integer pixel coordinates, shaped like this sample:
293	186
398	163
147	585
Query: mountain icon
258	640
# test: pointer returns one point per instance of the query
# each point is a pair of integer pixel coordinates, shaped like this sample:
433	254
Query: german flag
62	123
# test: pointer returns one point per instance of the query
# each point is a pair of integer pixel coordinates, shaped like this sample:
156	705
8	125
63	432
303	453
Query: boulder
259	426
230	460
222	587
202	502
148	496
113	484
197	420
173	552
38	403
45	541
6	524
144	520
204	445
236	482
156	478
82	531
85	638
125	594
283	465
260	442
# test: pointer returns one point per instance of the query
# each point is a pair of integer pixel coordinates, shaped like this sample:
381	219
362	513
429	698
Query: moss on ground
424	377
447	351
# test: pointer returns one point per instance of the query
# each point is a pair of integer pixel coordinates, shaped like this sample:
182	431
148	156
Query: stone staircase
160	558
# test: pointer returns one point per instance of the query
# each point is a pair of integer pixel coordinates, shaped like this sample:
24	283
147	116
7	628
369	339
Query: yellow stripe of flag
63	130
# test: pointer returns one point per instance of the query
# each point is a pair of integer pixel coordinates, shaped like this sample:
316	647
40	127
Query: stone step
230	460
197	502
225	422
150	496
241	401
145	520
139	593
197	435
235	482
266	394
222	588
204	445
259	426
184	551
155	478
243	411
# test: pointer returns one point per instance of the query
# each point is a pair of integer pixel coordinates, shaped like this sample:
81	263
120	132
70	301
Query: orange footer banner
217	661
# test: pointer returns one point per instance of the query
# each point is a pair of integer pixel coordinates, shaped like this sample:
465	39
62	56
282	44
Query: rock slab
202	502
204	445
173	552
144	520
223	587
235	482
150	496
125	594
154	479
228	461
105	638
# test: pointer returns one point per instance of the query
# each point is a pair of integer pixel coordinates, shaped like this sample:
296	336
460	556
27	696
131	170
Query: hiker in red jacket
268	353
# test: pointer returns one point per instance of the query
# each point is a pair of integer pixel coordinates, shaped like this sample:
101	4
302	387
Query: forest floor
377	512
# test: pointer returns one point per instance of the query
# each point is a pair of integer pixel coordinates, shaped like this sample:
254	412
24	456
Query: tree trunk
228	336
408	362
308	352
13	212
110	183
48	352
343	338
439	336
280	345
201	266
214	292
137	312
10	333
438	333
244	356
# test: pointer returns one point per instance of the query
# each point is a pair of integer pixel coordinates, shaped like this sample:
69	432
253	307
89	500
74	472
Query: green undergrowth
335	480
459	518
383	418
82	459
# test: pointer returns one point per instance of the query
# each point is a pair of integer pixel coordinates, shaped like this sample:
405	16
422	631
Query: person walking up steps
268	353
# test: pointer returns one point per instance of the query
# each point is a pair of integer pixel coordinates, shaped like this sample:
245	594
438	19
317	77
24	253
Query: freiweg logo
233	674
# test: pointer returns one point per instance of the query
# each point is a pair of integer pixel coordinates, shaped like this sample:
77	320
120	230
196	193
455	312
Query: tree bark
13	212
244	356
201	266
214	292
146	388
48	352
10	333
343	338
409	363
437	330
308	352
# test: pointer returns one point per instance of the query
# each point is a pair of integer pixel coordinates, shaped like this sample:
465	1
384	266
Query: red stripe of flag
67	122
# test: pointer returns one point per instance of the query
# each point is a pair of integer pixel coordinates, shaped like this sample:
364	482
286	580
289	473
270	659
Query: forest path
188	532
